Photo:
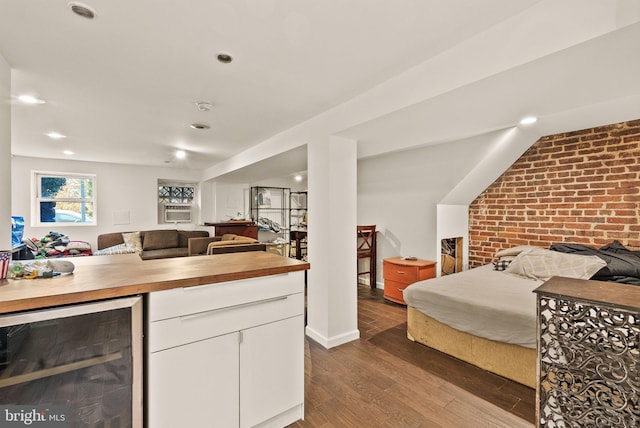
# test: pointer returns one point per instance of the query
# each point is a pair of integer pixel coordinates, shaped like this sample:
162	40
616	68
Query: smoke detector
204	105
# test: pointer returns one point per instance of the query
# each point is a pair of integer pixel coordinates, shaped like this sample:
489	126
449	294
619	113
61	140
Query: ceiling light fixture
82	10
55	135
181	154
298	177
204	105
30	99
224	57
199	126
68	152
528	120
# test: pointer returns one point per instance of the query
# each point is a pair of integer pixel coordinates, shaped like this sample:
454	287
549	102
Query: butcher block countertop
105	277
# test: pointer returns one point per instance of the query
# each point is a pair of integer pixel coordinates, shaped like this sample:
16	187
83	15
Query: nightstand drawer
406	274
393	291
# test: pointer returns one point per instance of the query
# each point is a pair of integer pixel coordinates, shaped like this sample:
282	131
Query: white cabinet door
271	370
195	385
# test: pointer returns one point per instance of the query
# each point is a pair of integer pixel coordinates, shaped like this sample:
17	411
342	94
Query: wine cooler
73	366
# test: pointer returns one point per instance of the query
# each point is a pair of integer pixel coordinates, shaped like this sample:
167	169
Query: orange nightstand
399	273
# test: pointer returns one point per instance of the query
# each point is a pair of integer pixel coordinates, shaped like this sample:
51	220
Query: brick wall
581	186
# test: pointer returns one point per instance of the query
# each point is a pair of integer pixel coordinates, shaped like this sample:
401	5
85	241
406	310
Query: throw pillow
132	240
542	264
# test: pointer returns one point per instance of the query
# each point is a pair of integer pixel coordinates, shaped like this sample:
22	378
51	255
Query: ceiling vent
200	126
82	10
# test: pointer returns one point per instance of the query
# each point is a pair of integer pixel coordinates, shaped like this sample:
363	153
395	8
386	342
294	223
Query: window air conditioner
177	213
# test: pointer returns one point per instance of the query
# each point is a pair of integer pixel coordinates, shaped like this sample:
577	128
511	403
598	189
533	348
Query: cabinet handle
228	308
400	272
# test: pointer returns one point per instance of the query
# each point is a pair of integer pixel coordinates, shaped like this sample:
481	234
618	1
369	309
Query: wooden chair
366	249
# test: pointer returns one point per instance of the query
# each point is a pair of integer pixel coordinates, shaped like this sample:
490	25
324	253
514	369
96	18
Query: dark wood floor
385	380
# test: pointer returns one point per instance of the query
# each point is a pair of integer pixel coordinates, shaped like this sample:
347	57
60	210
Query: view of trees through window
66	199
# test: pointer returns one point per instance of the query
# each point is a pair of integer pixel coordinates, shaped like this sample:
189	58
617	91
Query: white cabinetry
228	354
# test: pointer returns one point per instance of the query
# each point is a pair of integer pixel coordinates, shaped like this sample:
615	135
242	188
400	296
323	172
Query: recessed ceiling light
55	135
181	154
68	152
82	10
200	126
528	120
298	177
30	99
224	57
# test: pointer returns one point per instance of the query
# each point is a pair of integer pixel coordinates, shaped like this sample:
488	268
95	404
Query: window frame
37	199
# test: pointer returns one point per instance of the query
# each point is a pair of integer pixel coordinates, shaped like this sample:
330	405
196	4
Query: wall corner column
332	305
5	154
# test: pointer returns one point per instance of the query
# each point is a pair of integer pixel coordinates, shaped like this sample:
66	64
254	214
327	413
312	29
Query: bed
486	316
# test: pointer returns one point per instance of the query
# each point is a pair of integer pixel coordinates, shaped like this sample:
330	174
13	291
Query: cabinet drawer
189	300
406	274
393	291
172	332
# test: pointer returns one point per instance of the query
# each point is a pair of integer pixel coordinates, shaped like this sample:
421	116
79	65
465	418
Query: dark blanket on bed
623	265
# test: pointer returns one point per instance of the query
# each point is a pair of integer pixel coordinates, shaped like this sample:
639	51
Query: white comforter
482	301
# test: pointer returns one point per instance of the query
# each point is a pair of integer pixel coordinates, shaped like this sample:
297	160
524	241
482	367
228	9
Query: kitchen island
104	277
223	342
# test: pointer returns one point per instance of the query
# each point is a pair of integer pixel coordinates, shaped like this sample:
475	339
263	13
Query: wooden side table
400	273
241	228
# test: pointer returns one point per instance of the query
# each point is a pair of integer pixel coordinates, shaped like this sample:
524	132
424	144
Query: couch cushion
245	240
240	240
159	239
164	253
107	240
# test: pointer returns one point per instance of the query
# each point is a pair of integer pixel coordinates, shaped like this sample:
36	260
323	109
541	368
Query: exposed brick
581	186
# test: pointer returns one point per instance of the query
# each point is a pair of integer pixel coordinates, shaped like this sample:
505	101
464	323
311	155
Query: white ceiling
123	86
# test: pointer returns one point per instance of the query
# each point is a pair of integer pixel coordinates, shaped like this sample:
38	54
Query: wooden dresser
400	273
241	228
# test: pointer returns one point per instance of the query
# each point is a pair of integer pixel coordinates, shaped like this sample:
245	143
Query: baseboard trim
333	341
366	282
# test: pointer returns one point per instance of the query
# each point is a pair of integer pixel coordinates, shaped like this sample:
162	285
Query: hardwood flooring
385	380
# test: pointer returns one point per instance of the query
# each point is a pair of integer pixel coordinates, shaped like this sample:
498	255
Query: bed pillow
133	241
511	253
542	264
506	256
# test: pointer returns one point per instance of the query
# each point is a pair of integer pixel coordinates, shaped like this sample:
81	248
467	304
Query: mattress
482	301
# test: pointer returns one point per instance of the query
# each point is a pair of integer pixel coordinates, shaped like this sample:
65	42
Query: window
64	198
176	202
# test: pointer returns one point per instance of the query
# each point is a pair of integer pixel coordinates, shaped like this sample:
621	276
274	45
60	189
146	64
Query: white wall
229	200
399	193
5	155
118	188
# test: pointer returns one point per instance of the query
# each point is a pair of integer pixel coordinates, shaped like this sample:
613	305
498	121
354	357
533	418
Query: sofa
227	243
150	244
167	243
